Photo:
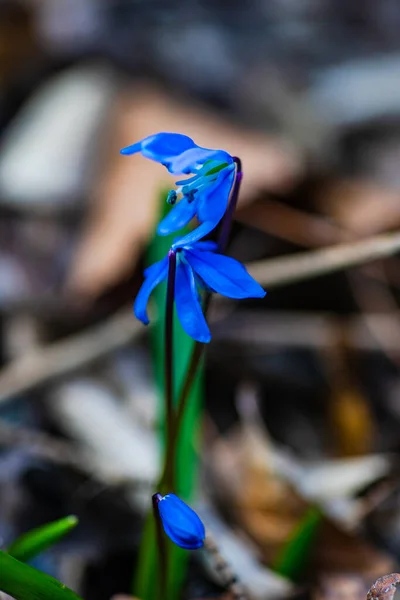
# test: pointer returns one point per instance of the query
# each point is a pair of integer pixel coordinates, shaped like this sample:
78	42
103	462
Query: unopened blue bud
181	524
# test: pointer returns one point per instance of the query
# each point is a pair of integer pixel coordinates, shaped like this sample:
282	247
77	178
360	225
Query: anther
190	195
172	197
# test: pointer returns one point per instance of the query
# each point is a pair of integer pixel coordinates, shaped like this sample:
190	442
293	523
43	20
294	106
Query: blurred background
299	451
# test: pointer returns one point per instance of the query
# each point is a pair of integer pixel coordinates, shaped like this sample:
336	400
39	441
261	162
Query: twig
377	297
302	228
41	445
305	265
291	224
61	358
258	329
64	357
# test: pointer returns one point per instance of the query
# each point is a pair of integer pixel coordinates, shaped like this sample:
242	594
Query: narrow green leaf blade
26	583
37	540
144	585
293	558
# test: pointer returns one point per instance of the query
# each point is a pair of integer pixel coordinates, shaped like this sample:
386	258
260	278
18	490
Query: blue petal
213	201
223	274
153	269
177	152
195	235
206	245
179	216
182	525
188	180
188	160
161	146
153	276
133	149
188	306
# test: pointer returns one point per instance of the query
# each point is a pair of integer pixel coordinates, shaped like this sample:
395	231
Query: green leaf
26	583
293	559
34	542
145	585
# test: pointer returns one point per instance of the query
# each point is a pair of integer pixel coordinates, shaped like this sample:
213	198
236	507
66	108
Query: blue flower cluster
205	196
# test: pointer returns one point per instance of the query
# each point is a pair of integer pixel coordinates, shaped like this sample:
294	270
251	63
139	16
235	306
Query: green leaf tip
294	556
37	540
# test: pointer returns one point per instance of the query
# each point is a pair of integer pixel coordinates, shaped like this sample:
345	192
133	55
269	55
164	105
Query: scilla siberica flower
181	524
205	195
198	266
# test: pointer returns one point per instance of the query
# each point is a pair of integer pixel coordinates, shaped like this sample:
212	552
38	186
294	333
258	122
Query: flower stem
169	375
226	224
190	375
199	347
162	554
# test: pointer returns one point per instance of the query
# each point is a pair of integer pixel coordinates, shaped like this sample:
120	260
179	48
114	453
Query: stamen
190	195
188	180
205	169
172	197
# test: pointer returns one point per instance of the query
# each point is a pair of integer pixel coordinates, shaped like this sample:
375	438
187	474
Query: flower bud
181	524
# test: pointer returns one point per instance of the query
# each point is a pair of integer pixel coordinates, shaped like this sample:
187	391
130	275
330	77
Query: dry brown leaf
361	207
291	224
350	417
351	422
338	551
264	505
340	586
125	201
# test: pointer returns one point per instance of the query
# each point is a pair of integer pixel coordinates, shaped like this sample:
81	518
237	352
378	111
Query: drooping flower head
181	524
198	267
205	195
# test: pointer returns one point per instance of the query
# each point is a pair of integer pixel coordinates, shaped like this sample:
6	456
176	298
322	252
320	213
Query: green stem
199	348
161	549
169	383
187	384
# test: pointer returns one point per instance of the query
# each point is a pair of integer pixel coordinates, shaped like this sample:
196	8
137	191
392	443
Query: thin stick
305	265
62	358
47	363
42	445
229	578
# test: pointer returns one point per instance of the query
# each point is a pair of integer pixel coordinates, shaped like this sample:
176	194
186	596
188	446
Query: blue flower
181	524
205	195
198	267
